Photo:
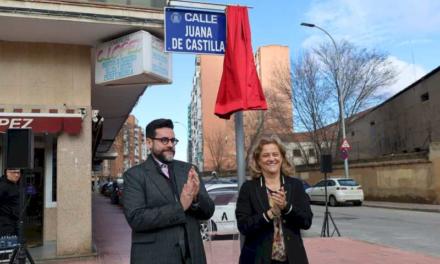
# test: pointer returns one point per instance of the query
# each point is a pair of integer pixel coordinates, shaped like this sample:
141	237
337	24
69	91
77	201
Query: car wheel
204	231
310	199
332	201
358	203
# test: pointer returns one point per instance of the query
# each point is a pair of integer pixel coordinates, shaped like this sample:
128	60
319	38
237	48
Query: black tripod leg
336	228
324	230
13	256
29	257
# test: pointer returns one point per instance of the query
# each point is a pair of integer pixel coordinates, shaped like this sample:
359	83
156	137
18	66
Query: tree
217	145
274	120
312	109
317	76
355	75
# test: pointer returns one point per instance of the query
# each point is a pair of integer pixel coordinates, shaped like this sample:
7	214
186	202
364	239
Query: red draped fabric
240	87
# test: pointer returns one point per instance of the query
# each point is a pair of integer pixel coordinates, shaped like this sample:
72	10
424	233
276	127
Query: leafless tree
354	74
217	146
315	79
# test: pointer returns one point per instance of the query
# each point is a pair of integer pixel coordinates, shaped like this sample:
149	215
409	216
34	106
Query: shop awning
42	122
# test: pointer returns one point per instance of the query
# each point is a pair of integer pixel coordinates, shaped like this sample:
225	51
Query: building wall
414	179
273	66
195	138
403	124
214	129
57	76
130	145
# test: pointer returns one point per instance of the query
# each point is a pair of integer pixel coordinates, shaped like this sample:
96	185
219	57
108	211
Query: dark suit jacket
157	219
253	202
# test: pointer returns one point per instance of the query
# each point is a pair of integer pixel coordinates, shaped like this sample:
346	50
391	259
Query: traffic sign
195	31
345	145
344	154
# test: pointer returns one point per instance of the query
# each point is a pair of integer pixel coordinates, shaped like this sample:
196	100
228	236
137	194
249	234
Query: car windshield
348	182
223	198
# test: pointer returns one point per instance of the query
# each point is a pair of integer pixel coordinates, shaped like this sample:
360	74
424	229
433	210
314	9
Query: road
407	230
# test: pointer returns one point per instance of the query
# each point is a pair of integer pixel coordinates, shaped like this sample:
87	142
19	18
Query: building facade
395	146
408	122
47	84
213	139
131	147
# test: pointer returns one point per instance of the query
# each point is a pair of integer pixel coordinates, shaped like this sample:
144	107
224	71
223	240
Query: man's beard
165	158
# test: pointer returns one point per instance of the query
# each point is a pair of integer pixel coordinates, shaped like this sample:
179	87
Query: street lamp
341	101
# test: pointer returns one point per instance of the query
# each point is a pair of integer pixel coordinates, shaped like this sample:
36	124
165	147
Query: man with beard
163	201
9	202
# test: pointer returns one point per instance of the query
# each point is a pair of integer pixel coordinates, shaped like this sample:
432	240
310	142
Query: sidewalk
112	238
330	251
404	206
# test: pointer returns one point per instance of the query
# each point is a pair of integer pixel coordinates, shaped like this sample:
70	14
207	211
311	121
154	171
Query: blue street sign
195	31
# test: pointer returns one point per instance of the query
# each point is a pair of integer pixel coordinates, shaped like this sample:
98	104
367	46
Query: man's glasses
165	140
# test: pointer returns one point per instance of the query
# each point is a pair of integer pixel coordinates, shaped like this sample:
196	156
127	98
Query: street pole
340	101
239	148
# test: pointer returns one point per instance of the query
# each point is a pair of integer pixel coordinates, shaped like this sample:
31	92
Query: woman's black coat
253	202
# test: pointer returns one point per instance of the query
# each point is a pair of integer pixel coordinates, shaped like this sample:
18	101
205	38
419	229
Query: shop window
311	153
297	153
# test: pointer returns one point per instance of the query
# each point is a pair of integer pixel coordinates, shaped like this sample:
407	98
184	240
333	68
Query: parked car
305	185
107	189
339	190
116	192
223	222
220	180
103	187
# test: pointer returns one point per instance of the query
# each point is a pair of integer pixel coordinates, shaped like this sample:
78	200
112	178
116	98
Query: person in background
163	201
9	202
272	208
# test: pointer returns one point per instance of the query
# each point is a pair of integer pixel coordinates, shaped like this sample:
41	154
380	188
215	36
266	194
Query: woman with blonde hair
272	208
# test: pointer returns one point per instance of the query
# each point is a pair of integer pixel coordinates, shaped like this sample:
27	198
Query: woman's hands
279	200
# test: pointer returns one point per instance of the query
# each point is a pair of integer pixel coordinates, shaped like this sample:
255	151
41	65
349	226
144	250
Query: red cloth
240	88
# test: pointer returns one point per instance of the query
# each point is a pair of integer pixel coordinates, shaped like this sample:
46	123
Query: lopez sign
42	123
195	31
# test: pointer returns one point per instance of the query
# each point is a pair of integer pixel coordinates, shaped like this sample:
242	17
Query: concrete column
74	209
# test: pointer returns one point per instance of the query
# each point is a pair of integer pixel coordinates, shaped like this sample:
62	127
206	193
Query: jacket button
288	237
284	221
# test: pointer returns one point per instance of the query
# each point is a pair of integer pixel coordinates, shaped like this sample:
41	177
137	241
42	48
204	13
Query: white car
339	190
223	222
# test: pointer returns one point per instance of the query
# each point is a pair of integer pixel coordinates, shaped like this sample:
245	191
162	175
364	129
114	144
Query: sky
407	30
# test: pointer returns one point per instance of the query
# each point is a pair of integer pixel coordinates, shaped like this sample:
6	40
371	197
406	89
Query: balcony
88	22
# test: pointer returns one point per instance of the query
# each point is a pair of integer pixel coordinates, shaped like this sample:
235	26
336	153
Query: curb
430	210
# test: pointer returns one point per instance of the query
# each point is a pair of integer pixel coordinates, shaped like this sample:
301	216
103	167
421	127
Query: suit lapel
158	179
262	193
180	175
287	187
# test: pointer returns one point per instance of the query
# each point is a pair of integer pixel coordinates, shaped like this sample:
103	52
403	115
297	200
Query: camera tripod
21	253
325	231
